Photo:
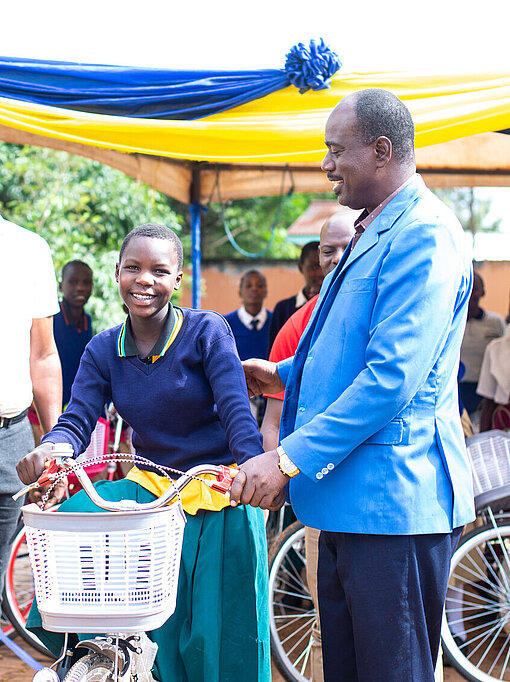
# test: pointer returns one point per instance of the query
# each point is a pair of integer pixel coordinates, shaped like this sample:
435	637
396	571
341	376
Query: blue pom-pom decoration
311	68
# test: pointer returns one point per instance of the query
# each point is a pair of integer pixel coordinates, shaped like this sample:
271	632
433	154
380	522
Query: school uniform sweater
189	407
251	343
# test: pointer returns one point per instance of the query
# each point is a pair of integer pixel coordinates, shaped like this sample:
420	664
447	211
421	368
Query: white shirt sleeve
45	299
487	383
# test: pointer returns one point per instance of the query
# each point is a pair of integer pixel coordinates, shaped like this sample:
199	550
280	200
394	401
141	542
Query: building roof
308	226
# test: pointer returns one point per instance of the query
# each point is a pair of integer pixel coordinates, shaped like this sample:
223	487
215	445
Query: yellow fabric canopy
284	127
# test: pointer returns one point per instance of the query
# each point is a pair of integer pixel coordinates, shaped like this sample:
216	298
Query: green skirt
219	631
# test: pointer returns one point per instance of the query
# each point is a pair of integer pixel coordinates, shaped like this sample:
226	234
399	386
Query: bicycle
18	592
81	580
476	623
292	614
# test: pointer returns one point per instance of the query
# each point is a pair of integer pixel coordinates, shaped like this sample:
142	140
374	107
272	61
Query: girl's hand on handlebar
32	465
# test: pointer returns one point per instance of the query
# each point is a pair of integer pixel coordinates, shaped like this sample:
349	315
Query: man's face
311	271
349	163
335	237
253	290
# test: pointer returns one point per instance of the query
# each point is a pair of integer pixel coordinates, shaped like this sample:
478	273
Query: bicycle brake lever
47	476
224	480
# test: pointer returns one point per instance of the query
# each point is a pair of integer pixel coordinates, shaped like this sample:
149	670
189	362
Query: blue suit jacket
371	410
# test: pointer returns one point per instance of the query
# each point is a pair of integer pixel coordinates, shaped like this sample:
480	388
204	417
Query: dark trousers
380	603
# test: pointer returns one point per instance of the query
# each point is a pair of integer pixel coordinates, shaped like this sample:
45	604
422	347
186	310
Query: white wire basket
107	571
489	453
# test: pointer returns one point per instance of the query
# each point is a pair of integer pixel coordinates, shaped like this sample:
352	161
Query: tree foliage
83	209
471	210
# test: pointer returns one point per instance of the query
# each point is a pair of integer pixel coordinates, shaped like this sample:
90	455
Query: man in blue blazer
370	435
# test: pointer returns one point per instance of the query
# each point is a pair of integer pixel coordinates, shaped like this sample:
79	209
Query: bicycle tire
19	591
291	610
92	667
475	631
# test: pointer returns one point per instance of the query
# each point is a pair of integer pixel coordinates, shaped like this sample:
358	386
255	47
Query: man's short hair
252	272
154	231
381	113
72	263
307	249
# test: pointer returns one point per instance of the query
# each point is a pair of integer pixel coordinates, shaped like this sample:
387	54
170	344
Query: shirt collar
246	318
126	346
83	324
300	299
365	218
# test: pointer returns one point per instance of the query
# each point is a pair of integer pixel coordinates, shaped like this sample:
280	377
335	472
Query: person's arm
45	372
488	407
270	427
91	390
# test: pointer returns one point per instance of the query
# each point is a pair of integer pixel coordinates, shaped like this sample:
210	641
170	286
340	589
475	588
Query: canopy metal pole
196	252
196	273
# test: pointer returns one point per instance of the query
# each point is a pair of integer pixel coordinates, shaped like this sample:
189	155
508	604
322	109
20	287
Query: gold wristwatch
286	466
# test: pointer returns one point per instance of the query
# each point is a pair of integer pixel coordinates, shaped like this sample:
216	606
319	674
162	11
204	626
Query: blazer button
331	466
325	471
301	409
319	475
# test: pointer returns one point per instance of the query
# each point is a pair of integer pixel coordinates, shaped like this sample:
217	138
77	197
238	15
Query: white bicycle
113	572
476	621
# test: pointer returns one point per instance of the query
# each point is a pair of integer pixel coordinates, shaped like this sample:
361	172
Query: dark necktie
254	324
359	231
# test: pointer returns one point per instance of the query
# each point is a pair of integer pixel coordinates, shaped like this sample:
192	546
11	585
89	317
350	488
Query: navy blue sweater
250	343
189	407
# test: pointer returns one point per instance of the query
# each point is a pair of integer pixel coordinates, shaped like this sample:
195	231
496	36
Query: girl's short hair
154	231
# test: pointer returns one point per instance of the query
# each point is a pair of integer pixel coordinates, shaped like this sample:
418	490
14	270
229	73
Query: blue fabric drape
160	93
134	91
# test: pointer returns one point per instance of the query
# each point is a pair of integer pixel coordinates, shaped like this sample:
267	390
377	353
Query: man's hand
262	377
260	483
32	465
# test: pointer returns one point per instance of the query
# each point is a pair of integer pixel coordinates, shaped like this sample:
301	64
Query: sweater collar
126	346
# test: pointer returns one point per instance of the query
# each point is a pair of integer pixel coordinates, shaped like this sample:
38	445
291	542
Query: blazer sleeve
422	290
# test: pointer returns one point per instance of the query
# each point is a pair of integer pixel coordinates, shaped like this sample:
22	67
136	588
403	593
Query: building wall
496	277
221	284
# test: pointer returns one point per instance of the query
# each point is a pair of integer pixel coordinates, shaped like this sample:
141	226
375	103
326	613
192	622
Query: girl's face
147	275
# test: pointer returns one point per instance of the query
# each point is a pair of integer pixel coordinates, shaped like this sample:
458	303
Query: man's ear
300	267
60	286
117	267
383	151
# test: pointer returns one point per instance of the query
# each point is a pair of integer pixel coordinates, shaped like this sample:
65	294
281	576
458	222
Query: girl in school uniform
174	375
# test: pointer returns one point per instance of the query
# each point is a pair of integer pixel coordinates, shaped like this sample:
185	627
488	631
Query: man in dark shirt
310	268
72	326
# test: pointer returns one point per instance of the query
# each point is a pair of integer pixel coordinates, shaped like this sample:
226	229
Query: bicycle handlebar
224	476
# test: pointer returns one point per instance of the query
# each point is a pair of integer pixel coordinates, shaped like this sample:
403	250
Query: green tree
83	209
471	210
251	222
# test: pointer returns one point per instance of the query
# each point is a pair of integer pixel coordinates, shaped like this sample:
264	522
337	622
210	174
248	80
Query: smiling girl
174	375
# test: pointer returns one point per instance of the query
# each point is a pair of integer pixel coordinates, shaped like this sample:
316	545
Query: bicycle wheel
91	668
291	610
476	621
19	591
